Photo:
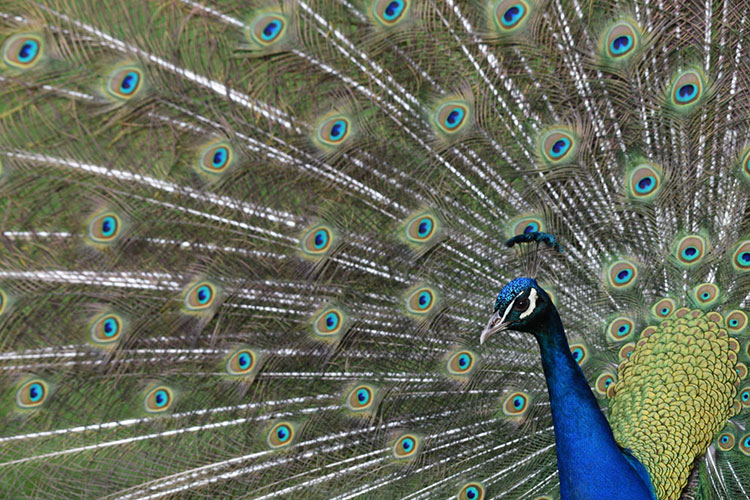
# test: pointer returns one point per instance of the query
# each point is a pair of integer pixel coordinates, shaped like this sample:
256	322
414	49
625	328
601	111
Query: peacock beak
494	325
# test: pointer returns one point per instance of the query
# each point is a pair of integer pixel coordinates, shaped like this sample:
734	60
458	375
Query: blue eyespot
271	30
321	238
621	44
110	327
424	299
690	253
332	320
746	396
393	10
28	51
623	276
407	444
244	360
338	130
425	227
705	295
687	92
464	360
220	157
109	226
624	329
472	493
363	396
560	147
744	258
733	322
513	15
518	402
645	185
724	439
129	83
454	118
161	398
36	391
283	433
533	227
204	294
665	310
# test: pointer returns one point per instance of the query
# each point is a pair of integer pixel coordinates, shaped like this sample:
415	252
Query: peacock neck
590	463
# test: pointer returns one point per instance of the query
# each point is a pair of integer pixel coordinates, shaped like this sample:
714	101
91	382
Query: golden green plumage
674	394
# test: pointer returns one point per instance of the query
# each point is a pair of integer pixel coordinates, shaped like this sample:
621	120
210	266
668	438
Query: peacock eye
521	304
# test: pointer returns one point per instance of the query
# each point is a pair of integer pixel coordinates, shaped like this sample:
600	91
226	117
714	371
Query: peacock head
521	305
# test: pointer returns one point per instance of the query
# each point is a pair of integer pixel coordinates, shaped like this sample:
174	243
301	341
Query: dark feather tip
546	238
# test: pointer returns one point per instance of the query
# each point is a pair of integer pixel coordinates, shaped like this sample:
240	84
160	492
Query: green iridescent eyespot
158	400
32	394
23	51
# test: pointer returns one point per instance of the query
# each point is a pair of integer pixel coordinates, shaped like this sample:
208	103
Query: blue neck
590	463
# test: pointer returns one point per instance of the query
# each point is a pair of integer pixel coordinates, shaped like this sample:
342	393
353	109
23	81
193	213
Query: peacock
375	249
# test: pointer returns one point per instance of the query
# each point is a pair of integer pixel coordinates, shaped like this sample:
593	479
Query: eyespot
420	301
104	228
690	250
317	240
510	15
580	353
329	322
333	130
516	404
744	397
736	321
421	229
23	51
664	308
280	435
644	182
626	351
452	116
390	12
620	329
558	146
604	381
268	28
215	158
705	295
741	256
745	163
687	89
360	398
461	362
471	491
526	225
745	444
106	329
158	399
406	446
621	41
32	394
125	82
200	296
725	441
741	369
241	362
3	301
622	275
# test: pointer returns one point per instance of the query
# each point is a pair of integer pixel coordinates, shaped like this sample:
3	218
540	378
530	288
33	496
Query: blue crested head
519	306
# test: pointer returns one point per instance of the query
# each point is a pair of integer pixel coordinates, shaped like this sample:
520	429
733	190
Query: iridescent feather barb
248	247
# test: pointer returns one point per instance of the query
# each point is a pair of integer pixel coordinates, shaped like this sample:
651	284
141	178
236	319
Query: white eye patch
532	304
